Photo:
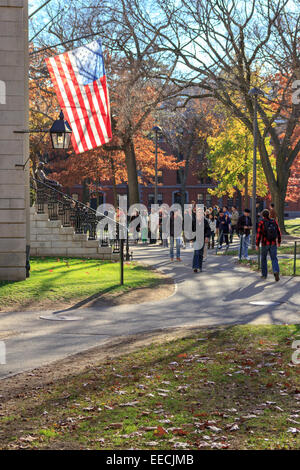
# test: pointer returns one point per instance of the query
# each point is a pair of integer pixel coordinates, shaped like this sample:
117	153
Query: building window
96	200
160	177
151	199
75	196
177	197
208	200
230	202
200	198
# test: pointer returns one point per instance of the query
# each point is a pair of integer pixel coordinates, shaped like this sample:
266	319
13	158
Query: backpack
271	232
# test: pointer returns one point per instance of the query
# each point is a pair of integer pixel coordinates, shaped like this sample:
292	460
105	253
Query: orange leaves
160	431
180	432
283	84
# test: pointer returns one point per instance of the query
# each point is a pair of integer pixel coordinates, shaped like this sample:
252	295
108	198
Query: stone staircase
50	238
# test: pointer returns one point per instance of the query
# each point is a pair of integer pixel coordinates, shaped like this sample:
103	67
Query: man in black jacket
244	227
198	249
223	229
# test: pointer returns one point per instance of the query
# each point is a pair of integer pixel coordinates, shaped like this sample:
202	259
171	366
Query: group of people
225	224
220	226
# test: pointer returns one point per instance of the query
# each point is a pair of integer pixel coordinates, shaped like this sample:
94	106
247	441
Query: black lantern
60	133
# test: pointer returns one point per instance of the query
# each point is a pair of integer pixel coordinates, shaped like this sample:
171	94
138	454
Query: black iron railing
72	213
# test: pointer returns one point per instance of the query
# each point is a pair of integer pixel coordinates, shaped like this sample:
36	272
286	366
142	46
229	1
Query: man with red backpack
269	235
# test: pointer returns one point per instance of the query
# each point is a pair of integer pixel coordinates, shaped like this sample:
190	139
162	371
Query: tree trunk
184	176
113	178
278	186
239	200
278	198
246	191
133	185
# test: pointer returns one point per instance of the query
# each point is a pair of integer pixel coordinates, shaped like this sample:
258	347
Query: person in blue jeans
244	227
178	245
269	235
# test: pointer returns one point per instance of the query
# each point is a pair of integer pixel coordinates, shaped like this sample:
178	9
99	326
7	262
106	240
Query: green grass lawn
293	226
282	250
286	266
55	279
223	388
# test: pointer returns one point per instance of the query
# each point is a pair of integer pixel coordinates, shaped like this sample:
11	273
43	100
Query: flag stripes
85	105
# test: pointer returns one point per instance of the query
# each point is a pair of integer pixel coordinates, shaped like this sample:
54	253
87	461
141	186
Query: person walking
213	228
226	211
223	228
144	227
269	236
234	222
273	213
153	225
198	247
216	211
174	236
136	229
244	227
164	235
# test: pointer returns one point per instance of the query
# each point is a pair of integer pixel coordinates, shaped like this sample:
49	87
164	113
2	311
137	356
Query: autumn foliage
293	189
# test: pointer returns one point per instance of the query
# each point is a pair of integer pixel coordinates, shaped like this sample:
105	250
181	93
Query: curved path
220	295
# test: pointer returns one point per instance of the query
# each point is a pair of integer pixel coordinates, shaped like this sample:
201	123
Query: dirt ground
22	384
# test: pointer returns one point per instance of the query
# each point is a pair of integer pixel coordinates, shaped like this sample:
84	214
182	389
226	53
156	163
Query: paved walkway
220	295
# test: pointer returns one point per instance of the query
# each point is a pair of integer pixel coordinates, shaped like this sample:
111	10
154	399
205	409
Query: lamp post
254	93
60	133
127	225
156	130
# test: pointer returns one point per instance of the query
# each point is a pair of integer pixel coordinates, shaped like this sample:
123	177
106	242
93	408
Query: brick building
169	191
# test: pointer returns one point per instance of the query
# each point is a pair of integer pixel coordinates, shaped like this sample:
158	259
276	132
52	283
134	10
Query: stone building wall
50	238
13	147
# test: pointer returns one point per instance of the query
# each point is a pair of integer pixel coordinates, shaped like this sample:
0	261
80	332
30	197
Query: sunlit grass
64	279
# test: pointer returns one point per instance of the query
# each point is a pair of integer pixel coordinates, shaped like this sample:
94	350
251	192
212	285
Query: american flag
79	80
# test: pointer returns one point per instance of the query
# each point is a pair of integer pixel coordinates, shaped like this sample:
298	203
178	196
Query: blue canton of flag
90	63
